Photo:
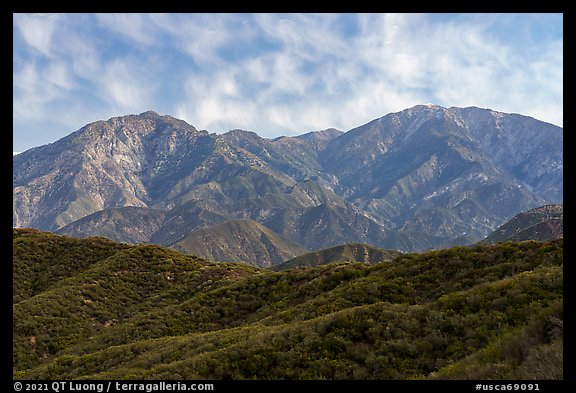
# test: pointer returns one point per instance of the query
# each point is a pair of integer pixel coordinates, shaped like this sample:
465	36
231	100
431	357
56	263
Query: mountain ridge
422	178
541	223
345	253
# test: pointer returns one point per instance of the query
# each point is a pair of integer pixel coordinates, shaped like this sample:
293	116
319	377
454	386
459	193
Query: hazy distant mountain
542	223
422	178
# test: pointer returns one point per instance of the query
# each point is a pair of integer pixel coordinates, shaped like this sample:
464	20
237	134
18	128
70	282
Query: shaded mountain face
542	223
128	224
426	177
240	241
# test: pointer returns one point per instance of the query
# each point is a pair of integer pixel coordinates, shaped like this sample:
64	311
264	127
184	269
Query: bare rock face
425	177
103	165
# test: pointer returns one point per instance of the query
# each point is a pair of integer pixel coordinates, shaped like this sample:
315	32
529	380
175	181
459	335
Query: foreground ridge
96	309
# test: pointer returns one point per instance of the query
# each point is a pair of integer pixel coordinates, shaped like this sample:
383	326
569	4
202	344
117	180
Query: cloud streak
278	74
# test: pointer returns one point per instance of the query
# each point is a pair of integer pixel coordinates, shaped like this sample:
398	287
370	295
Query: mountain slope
42	259
406	166
542	223
239	241
353	252
102	165
146	312
129	224
426	177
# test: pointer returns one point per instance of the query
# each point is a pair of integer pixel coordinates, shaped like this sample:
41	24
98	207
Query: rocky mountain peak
423	108
322	135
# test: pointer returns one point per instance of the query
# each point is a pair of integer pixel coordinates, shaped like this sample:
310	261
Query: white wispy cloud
280	74
37	30
394	61
126	86
136	27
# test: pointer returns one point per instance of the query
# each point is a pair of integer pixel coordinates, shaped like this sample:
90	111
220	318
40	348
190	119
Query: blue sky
277	74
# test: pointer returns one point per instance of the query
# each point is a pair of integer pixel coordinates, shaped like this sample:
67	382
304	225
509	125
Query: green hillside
354	252
114	311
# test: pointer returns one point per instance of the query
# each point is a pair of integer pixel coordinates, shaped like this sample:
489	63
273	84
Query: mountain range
423	178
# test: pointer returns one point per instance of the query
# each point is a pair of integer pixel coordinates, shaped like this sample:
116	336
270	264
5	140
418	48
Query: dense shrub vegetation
97	309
